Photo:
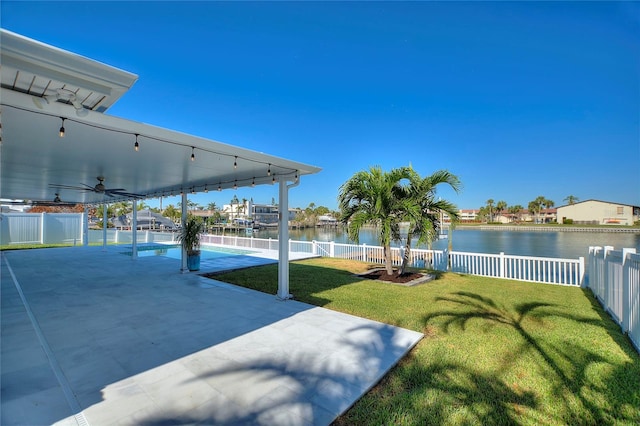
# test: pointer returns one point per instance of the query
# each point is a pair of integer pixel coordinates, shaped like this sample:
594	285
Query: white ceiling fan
63	95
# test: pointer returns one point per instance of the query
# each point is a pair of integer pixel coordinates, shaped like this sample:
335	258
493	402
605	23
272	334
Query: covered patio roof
45	88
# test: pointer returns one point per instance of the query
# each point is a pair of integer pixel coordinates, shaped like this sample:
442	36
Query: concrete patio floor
90	336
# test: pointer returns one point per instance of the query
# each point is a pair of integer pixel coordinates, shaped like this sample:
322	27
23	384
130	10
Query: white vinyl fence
522	268
117	236
49	228
40	228
614	278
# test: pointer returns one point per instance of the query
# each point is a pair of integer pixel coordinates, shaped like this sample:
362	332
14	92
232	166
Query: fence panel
487	265
20	228
632	275
613	277
62	228
543	269
301	246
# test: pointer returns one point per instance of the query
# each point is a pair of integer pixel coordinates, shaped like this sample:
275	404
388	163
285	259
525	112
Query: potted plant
189	237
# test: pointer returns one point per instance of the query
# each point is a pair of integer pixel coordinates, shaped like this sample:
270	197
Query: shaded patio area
90	336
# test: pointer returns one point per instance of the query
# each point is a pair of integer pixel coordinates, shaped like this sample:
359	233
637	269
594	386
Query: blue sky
518	99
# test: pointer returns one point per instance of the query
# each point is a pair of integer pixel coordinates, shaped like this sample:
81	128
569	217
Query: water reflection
538	243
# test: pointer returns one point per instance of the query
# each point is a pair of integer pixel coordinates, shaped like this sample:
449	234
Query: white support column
134	230
183	267
283	241
104	227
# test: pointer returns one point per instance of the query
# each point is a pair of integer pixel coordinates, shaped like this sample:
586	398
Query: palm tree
372	197
536	205
514	211
490	207
571	199
424	212
172	213
212	206
122	208
500	207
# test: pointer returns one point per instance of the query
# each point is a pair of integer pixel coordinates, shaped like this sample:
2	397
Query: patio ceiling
34	156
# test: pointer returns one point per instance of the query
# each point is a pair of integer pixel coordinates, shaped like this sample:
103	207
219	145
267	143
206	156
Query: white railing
116	236
614	278
522	268
548	270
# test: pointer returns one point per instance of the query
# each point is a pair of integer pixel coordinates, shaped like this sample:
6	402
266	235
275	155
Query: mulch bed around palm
382	275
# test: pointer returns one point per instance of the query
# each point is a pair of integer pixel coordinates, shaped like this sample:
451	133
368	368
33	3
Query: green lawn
494	352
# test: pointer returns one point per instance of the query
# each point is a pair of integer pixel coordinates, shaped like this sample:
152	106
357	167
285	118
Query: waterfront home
596	212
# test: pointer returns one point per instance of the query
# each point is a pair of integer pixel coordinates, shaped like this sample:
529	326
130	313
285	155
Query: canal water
524	243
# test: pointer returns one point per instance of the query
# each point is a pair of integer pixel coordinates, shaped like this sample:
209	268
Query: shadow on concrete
108	318
305	388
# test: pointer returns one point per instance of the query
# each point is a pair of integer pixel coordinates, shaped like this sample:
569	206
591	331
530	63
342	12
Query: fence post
626	284
332	249
42	226
314	247
581	269
593	251
502	265
606	283
364	253
447	259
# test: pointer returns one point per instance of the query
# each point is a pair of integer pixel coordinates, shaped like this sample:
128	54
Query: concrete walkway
94	337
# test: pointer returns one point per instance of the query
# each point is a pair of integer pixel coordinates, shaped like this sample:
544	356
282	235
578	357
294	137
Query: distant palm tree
212	206
490	207
571	199
500	207
372	197
423	212
122	208
536	205
172	213
515	212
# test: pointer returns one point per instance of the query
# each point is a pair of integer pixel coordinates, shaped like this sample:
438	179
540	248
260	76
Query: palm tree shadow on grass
569	362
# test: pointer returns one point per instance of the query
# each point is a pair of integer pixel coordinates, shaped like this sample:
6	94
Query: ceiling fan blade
124	193
77	188
53	204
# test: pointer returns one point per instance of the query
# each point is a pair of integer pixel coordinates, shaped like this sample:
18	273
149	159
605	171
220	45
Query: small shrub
568	221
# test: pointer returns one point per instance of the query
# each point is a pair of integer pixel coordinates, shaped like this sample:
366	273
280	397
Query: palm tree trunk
387	259
405	255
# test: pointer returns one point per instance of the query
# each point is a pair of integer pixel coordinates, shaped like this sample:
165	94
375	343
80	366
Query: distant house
466	215
146	219
327	220
596	212
259	214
